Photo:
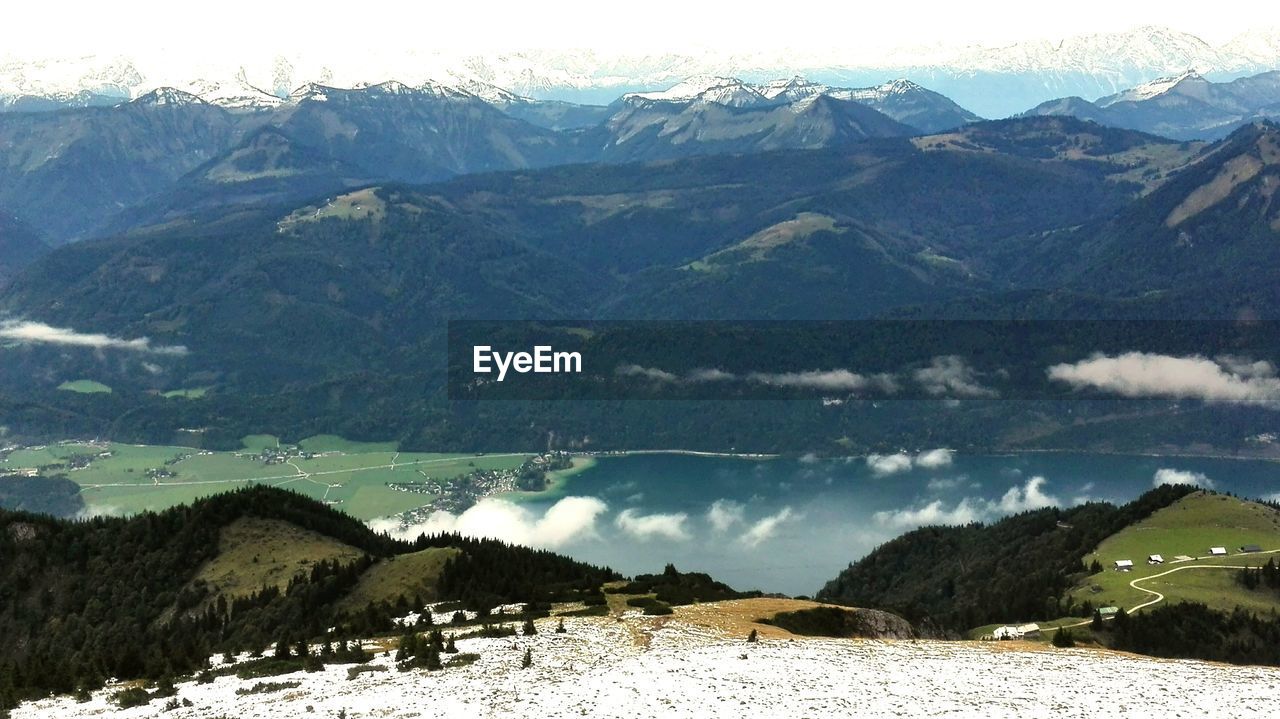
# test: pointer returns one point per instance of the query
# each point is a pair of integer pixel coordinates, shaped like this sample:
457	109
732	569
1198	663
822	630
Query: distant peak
168	96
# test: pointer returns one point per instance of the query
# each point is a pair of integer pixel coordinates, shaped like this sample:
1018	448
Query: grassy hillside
1188	527
1021	568
254	553
409	576
130	597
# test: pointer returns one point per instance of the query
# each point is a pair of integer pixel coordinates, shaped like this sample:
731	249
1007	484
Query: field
84	386
187	393
1188	527
349	475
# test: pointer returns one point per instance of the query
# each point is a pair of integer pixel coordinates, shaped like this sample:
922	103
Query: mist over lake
788	525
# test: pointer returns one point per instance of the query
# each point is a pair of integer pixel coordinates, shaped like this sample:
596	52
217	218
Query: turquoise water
826	513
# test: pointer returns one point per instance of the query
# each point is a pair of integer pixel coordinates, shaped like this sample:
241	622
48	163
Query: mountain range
1185	106
312	314
994	81
110	164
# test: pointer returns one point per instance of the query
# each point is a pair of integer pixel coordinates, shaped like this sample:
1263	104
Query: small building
1124	565
1251	548
1217	551
1006	633
1108	611
1029	630
1155	559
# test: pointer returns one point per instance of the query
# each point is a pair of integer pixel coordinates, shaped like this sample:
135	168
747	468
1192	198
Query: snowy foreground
660	667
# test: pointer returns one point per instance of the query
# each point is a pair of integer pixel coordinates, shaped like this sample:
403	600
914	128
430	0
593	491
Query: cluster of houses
1126	565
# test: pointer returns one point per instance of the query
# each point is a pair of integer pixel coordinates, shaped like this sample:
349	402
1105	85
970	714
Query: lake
788	525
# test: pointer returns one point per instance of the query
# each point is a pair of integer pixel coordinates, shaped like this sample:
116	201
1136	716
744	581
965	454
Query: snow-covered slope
650	667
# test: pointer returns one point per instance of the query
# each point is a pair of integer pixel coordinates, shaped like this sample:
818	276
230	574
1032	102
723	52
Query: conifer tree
560	627
529	629
527	661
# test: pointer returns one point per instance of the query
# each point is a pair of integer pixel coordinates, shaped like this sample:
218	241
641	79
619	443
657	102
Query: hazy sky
52	28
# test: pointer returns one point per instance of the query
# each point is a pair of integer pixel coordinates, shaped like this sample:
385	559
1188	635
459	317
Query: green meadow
84	386
1188	527
352	476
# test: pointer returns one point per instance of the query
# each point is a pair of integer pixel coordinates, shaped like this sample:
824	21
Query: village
457	494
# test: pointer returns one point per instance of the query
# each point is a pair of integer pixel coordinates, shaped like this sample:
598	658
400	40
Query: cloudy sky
62	28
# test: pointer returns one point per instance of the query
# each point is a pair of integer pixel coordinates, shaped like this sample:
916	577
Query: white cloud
1029	496
650	526
1141	374
886	464
1181	476
653	373
951	376
934	458
39	333
831	380
569	519
710	375
724	513
938	484
766	527
935	512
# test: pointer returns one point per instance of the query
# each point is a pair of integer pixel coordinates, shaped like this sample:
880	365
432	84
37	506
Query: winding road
1157	596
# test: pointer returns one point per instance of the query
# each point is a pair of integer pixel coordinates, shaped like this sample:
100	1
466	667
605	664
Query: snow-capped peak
1148	90
168	96
688	89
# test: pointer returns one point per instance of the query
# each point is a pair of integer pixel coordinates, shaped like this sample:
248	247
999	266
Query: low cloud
653	373
886	464
766	527
28	332
1181	476
840	380
1141	374
939	484
653	526
951	376
567	520
1028	496
935	458
933	513
723	514
835	380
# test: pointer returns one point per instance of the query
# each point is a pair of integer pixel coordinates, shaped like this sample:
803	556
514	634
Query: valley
886	380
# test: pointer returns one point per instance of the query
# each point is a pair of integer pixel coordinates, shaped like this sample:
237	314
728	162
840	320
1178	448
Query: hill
157	594
1187	528
1018	569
